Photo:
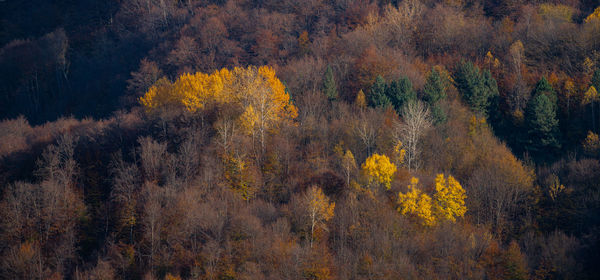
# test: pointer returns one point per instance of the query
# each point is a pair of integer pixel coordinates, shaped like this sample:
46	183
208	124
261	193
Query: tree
378	168
544	87
449	198
591	144
329	86
400	92
435	87
435	92
542	125
596	76
514	263
256	91
416	204
303	43
144	78
377	96
318	208
349	164
517	95
591	97
361	100
124	192
399	153
448	201
416	122
478	89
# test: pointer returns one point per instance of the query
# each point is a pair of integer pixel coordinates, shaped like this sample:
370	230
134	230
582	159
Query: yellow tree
318	208
256	91
159	95
349	164
378	169
416	204
449	198
264	99
192	91
399	153
591	144
361	100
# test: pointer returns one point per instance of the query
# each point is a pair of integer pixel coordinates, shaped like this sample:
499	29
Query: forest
314	139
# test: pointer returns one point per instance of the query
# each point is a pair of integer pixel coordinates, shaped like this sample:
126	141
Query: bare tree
126	182
152	155
366	128
417	120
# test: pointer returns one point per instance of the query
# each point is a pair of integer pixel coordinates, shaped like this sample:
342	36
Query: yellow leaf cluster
348	160
449	198
591	144
448	202
257	90
361	99
593	17
399	153
491	61
591	95
476	124
378	168
248	119
569	87
555	187
319	205
319	209
416	204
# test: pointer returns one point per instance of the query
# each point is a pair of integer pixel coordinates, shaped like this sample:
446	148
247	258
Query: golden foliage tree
449	198
378	168
361	99
591	95
318	208
416	204
399	153
256	91
448	202
591	144
349	164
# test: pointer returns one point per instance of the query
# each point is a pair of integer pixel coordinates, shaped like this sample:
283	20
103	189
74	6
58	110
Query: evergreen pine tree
329	86
435	92
477	88
435	87
542	125
377	96
544	87
400	92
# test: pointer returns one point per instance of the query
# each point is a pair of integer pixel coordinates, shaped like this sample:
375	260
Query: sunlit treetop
378	168
257	90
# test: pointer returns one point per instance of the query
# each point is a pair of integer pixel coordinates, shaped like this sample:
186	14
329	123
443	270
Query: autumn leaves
262	103
255	90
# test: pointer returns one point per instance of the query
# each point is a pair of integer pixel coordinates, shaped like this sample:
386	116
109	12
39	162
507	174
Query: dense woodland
314	139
